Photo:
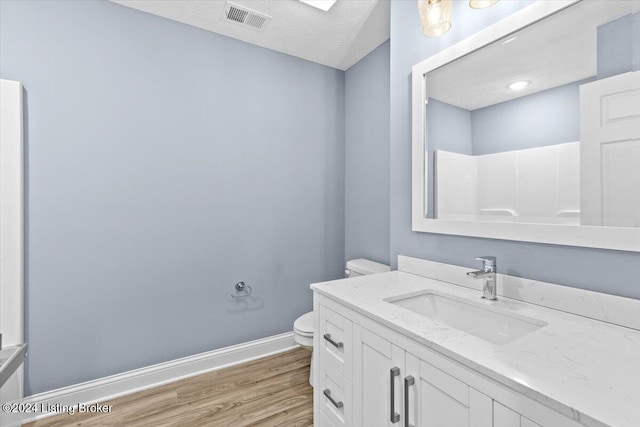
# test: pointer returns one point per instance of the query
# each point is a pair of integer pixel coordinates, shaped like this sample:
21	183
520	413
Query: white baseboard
129	382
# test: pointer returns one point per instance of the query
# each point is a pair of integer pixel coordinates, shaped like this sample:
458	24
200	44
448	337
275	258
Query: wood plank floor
269	392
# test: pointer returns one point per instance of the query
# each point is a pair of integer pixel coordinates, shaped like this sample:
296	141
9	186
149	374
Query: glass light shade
481	4
435	16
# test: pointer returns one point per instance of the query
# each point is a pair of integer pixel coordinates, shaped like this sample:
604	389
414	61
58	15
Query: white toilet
303	326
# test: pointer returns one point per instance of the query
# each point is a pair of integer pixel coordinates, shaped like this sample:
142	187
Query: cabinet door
525	422
508	417
321	420
444	400
480	409
505	417
411	391
377	380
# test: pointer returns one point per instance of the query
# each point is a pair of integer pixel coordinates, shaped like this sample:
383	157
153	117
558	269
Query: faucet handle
487	261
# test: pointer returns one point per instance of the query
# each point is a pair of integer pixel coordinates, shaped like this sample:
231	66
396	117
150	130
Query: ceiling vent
244	16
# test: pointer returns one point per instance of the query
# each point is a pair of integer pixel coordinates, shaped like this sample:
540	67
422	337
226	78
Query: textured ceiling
558	50
338	38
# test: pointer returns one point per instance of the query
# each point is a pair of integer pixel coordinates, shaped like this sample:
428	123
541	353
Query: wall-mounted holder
242	289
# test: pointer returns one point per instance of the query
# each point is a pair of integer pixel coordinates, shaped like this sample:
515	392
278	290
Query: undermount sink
491	324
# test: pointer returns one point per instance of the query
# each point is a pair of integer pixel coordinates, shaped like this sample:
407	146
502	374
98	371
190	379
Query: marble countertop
588	370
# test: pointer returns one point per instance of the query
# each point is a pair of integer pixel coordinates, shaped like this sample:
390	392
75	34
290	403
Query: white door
377	380
610	151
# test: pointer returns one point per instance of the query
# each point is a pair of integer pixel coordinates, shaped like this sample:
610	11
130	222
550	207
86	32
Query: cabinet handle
336	344
327	393
408	382
395	371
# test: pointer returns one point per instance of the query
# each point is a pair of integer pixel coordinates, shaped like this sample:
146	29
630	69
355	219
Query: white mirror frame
618	238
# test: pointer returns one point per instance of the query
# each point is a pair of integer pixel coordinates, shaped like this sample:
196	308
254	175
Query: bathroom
179	190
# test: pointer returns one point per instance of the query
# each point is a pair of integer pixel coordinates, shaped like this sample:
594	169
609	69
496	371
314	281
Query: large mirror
530	129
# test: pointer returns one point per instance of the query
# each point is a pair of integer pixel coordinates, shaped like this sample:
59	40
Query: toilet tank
362	267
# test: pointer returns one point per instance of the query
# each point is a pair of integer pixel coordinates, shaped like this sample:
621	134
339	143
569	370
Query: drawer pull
327	393
395	371
408	382
335	344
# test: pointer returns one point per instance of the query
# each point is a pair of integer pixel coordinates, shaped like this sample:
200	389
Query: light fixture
481	4
519	85
435	16
323	5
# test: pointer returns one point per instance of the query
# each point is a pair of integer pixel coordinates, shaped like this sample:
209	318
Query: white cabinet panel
444	400
445	382
480	409
336	346
525	422
439	409
334	395
378	382
322	421
411	391
504	417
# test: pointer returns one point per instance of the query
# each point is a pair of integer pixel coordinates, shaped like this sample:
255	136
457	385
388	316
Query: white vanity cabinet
505	417
374	376
394	387
446	401
377	379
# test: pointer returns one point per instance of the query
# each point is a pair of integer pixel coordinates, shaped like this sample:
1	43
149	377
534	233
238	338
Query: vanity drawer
335	341
333	396
322	421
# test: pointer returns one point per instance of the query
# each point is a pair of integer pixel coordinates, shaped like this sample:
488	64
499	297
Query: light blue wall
545	118
367	157
164	164
619	46
447	128
635	36
609	271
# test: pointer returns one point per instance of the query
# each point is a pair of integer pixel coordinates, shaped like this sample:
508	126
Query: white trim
114	386
11	213
11	235
597	237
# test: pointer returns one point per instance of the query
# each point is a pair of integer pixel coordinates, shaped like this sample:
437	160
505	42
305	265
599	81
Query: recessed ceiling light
510	39
519	85
324	5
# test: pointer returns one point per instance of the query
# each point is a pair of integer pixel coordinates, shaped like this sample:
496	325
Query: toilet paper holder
242	289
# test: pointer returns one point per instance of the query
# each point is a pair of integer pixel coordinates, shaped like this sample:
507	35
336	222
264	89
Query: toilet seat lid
304	323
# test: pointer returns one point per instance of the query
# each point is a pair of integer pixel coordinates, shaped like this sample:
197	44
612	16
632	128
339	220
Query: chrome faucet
488	274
